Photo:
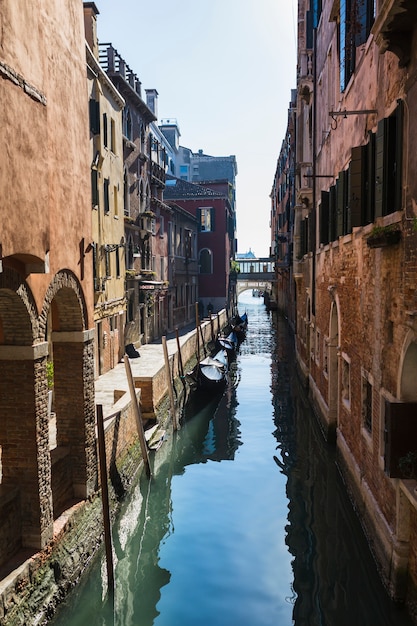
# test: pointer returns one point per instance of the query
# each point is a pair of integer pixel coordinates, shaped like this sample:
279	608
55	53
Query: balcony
394	27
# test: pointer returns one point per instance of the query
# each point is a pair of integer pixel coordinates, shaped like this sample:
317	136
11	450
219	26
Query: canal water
245	520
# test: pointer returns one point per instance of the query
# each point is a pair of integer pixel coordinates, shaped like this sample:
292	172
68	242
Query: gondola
210	374
230	344
239	325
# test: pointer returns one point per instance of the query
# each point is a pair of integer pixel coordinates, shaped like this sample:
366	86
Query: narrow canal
245	520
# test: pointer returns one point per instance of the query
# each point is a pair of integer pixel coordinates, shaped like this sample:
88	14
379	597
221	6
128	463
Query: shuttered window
400	436
94	116
324	218
388	163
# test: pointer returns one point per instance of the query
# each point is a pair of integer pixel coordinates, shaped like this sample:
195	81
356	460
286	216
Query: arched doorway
71	350
26	519
333	372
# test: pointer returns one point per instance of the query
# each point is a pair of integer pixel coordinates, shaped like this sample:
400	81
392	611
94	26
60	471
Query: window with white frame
367	402
206	219
346	380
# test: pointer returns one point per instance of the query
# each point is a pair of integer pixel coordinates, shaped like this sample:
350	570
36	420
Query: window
207	220
115	202
113	136
206	261
106	195
94	188
107	262
127	123
366	403
161	226
94	117
346	381
105	131
117	262
388	161
356	19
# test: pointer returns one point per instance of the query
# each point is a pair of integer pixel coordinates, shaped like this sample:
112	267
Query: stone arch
333	368
70	348
407	388
69	309
25	511
18	313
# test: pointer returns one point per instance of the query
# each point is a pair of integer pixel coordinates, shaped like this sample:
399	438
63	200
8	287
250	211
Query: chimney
152	101
90	26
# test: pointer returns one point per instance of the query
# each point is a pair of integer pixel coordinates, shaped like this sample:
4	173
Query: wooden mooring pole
197	326
180	364
105	498
169	382
138	417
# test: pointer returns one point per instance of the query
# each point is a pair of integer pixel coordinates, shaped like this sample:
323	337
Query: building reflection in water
210	431
335	577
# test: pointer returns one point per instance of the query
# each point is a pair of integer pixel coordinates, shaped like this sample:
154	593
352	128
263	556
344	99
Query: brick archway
36	483
71	350
25	511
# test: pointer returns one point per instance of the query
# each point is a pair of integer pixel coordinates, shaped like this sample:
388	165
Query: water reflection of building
210	434
335	578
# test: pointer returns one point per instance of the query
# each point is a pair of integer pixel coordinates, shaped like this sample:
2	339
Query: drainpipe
314	209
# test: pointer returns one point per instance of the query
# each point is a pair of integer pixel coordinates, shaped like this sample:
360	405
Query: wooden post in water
169	381
212	327
105	498
180	364
197	328
218	324
138	417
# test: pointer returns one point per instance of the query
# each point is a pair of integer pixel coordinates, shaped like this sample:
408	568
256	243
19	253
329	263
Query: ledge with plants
383	236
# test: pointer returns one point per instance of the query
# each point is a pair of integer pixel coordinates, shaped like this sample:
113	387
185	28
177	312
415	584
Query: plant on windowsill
234	267
383	236
131	273
408	465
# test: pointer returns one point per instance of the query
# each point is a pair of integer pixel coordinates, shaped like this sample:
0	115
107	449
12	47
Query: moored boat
210	374
239	325
229	343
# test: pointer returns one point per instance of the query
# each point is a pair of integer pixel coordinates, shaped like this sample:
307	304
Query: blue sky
224	69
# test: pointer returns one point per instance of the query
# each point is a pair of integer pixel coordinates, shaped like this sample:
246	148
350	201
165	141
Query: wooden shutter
212	219
324	217
356	186
94	188
94	116
332	213
379	168
369	189
340	194
397	142
400	434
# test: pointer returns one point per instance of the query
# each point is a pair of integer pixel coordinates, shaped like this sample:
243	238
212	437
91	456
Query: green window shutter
369	189
332	213
213	219
379	168
356	186
394	165
324	217
340	195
